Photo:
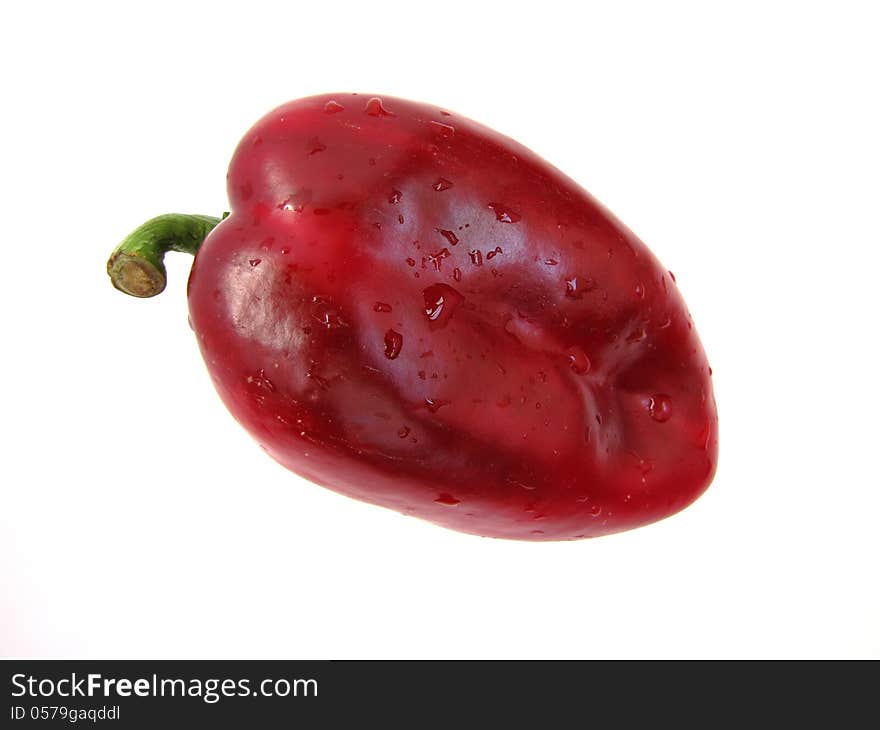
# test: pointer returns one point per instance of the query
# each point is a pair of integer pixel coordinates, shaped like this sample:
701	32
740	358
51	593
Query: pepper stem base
135	276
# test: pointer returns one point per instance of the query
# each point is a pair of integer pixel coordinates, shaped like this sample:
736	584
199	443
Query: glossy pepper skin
418	312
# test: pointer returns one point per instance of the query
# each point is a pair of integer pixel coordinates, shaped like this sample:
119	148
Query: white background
739	140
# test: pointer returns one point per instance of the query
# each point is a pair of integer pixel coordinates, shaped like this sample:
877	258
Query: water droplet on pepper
660	408
393	344
578	360
315	146
375	108
441	300
435	404
448	235
577	286
442	130
504	214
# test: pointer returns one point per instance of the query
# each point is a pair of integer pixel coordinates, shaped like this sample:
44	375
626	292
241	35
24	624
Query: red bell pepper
416	311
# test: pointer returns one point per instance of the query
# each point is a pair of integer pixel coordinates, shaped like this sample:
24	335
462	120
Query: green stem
135	266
